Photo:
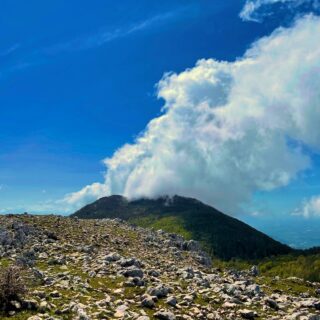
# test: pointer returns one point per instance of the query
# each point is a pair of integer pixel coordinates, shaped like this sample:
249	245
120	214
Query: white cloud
256	10
10	50
106	35
90	41
85	195
228	129
309	208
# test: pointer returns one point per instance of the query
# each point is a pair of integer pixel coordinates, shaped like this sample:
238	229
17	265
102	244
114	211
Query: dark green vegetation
299	264
221	235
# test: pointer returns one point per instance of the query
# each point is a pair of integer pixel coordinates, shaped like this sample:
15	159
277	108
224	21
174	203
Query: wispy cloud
10	50
87	41
106	35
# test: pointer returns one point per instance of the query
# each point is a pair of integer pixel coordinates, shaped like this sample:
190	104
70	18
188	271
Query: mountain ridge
221	235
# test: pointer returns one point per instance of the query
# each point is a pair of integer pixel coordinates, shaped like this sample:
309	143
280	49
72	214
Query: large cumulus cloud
228	129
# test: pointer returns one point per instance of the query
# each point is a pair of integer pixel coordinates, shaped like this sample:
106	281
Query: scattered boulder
164	315
248	314
112	257
272	304
133	272
160	291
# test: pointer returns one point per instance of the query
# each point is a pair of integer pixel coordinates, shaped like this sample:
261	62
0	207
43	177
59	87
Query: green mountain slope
223	236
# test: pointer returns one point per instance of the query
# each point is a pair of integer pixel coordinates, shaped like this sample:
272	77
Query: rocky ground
108	269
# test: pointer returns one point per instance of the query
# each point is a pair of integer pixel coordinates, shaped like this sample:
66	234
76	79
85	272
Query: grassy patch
172	224
306	267
18	316
271	285
4	263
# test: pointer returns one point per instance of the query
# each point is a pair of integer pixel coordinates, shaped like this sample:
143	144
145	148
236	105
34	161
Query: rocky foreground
108	269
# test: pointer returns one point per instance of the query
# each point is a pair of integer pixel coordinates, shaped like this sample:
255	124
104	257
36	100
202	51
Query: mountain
221	235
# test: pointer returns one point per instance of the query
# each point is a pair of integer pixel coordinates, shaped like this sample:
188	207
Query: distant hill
221	235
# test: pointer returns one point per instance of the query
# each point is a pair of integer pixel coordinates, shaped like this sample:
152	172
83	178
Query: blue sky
66	105
78	81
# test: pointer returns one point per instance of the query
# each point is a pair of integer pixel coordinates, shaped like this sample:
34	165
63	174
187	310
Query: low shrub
12	287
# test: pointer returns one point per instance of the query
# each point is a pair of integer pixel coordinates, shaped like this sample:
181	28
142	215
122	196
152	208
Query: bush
11	286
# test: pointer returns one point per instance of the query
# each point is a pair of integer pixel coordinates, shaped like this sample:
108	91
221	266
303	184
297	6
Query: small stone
43	307
16	304
247	314
148	302
153	273
160	291
228	305
164	315
272	304
55	294
121	311
133	272
172	301
111	257
254	271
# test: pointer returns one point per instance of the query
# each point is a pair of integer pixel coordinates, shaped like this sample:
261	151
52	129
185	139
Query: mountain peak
221	235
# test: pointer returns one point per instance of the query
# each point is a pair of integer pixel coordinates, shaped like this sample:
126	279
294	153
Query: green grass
18	316
271	285
172	224
306	267
5	262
